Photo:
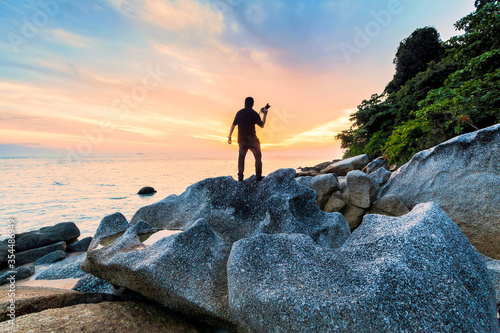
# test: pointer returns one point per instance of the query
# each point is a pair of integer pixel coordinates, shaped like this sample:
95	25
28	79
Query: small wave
118	198
106	185
58	183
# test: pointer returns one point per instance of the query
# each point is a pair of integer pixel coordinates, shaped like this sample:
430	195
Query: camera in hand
265	108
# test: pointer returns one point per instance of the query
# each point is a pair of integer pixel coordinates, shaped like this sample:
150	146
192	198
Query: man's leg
241	160
258	158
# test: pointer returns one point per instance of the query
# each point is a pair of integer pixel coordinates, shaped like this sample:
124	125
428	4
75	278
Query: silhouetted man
246	119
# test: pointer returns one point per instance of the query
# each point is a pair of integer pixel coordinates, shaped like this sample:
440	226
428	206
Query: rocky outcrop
374	165
416	273
361	190
462	176
390	205
51	258
380	176
80	246
236	210
68	268
324	185
187	271
37	253
341	168
45	236
130	317
17	274
35	299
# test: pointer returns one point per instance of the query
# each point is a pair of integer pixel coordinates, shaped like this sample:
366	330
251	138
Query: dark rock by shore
65	231
80	246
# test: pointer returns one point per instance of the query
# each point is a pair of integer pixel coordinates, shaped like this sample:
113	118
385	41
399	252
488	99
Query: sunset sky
159	76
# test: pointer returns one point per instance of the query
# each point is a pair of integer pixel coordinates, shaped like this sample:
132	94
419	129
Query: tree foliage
439	90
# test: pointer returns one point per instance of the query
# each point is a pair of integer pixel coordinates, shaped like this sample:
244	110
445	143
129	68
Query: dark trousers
254	146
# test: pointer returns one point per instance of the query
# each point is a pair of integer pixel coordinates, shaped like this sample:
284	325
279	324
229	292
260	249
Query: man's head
248	102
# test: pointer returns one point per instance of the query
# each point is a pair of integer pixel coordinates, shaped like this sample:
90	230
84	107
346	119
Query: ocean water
43	191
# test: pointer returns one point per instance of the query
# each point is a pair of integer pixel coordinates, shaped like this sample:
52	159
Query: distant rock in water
146	190
462	176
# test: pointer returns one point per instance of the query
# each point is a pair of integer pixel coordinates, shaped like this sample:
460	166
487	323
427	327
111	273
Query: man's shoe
240	179
259	178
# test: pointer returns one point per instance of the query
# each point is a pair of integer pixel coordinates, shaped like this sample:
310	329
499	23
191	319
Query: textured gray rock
416	273
92	284
324	185
112	225
306	181
361	190
17	274
341	168
65	231
185	272
493	267
381	176
462	176
51	258
374	165
68	268
237	210
80	246
390	205
34	254
335	203
353	215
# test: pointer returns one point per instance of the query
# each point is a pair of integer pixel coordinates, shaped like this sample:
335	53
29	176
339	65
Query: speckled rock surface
111	225
130	317
81	246
18	273
462	176
236	210
92	284
187	271
51	258
381	176
68	268
494	270
361	190
324	185
416	273
390	205
36	299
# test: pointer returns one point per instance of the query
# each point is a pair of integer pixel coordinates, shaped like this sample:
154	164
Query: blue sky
68	66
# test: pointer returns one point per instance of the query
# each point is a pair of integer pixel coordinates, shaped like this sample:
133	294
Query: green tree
414	54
